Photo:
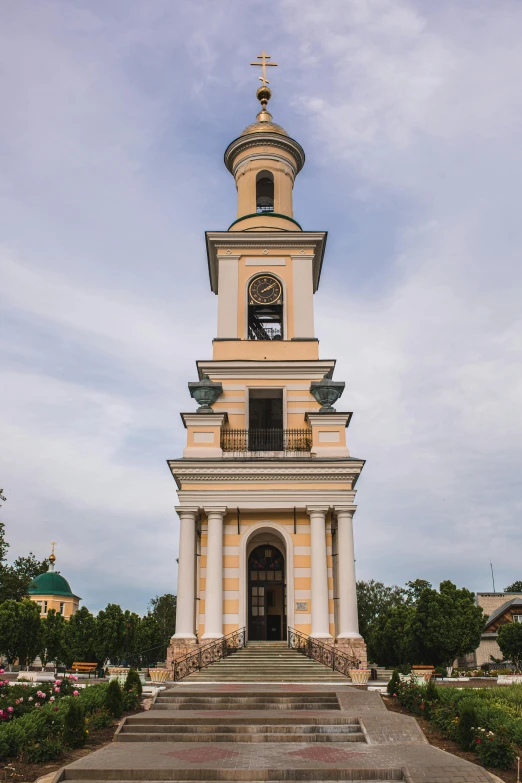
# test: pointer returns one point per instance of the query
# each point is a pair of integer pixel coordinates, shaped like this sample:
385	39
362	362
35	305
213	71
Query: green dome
50	583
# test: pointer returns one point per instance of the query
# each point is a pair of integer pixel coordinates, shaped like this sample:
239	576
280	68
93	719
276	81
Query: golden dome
264	127
263	123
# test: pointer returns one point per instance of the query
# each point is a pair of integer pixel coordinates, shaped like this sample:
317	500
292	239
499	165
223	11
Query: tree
150	641
163	608
510	643
447	624
20	631
130	644
416	588
15	579
109	634
80	637
516	587
373	598
52	639
391	641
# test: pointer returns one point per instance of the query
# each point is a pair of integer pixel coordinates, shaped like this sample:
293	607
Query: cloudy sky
115	116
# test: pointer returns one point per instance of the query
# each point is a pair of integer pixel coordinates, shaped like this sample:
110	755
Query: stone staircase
268	662
255	730
198	700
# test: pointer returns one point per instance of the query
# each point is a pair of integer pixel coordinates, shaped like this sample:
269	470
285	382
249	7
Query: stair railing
326	654
209	653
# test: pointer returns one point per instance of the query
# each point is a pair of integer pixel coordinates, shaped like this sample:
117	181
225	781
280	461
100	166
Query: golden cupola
264	161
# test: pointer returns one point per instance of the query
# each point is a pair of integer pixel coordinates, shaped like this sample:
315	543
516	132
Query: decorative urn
205	392
326	392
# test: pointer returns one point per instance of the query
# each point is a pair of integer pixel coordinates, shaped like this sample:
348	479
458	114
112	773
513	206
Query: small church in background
52	591
266	483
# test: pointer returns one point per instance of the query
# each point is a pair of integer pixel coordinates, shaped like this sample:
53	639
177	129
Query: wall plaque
301	606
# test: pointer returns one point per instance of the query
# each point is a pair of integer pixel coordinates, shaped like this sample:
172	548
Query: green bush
32	727
45	750
430	698
495	749
113	699
394	683
410	696
99	720
133	681
467	726
74	733
130	700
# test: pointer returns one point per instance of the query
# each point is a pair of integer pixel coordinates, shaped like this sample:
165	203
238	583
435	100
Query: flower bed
487	721
36	721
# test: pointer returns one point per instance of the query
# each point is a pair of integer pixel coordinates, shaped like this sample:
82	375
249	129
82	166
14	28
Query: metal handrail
273	439
326	654
209	653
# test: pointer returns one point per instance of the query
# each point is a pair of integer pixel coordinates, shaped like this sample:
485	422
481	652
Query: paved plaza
251	733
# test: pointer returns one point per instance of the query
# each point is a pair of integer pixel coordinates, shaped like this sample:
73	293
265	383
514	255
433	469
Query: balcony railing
266	440
265	208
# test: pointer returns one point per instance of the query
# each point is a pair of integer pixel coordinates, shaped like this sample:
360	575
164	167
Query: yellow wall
231	584
53	602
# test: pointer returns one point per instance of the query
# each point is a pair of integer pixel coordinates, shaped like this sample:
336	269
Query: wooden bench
80	667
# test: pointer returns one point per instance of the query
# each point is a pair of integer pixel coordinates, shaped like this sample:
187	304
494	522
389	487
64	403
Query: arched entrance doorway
266	594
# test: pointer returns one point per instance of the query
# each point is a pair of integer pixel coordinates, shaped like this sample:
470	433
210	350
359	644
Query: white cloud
110	148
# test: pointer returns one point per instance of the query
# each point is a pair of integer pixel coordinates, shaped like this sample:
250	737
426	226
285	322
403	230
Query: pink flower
52	698
57	682
56	709
30	698
2	671
10	709
1	712
57	690
37	704
76	693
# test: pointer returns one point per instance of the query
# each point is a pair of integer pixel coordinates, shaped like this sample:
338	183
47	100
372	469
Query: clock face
265	290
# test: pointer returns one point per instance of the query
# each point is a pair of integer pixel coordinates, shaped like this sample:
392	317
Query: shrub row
487	721
41	730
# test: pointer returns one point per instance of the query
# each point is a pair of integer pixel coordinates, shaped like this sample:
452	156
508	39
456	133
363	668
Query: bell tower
266	467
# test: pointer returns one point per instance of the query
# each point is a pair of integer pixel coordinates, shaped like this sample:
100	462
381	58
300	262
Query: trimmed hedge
487	720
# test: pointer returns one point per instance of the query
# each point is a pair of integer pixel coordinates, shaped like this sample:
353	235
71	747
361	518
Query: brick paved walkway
390	747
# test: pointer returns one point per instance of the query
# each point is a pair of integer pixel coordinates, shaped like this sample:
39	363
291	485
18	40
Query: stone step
251	738
311	776
233	706
252	776
254	698
282	720
147	727
212	677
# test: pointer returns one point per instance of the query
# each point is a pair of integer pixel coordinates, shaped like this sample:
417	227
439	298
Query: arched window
265	192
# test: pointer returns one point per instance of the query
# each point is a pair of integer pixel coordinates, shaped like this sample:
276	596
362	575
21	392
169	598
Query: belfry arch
270	535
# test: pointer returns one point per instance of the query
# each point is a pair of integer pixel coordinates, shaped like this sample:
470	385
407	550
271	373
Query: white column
214	579
320	613
186	573
348	618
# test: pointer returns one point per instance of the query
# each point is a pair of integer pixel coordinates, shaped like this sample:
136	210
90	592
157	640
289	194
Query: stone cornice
285	143
299	368
265	500
312	242
195	419
325	419
306	471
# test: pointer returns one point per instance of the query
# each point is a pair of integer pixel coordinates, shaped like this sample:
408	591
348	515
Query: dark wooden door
265	572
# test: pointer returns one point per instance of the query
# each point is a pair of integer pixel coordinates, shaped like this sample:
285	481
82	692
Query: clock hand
263	290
